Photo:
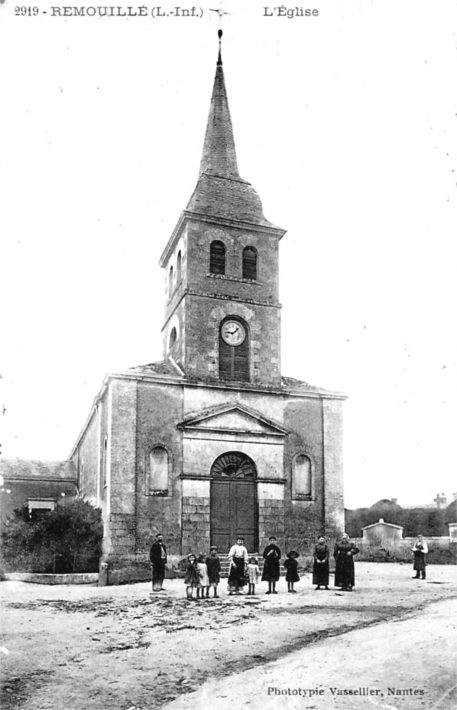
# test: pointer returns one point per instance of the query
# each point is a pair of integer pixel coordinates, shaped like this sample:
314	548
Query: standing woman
321	566
238	559
271	556
344	570
419	551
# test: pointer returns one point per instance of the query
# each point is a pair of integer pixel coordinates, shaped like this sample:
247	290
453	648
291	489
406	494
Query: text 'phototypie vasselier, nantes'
337	692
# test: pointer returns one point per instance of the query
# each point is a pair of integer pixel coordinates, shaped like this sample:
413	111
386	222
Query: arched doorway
233	501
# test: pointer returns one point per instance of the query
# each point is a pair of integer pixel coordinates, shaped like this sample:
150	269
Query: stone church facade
213	442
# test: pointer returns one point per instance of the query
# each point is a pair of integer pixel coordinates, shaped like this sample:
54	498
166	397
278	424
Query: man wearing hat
213	565
158	557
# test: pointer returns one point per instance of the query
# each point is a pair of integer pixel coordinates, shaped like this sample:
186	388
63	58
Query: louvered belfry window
250	263
217	258
234	360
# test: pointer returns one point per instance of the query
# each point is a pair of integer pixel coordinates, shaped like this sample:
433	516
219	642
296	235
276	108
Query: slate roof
220	191
291	383
166	367
382	522
162	367
38	470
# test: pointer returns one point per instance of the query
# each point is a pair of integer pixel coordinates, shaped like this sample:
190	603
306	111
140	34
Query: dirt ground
124	648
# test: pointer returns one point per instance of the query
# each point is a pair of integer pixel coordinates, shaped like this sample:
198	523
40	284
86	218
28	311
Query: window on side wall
302	478
158	472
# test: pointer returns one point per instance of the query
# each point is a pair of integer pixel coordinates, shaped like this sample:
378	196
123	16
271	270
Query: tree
66	539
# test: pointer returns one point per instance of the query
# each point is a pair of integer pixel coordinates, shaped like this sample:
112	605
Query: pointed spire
220	192
219	155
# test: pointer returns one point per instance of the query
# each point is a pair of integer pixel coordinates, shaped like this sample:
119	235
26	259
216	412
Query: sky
345	124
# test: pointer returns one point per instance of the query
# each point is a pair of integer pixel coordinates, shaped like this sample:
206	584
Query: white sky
346	126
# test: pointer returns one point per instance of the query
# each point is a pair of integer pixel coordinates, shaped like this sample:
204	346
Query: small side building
383	539
38	484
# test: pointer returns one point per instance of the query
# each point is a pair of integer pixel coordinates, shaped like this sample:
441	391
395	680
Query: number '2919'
25	10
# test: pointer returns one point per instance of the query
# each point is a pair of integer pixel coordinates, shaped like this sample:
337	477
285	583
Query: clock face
233	332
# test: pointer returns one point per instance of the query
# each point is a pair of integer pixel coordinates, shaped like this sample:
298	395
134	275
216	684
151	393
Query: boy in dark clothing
158	557
213	565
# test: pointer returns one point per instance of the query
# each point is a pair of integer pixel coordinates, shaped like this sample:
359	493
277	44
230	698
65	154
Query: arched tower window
170	282
217	258
178	269
234	350
249	263
158	471
302	477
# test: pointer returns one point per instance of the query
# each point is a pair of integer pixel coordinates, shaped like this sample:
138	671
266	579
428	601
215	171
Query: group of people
204	572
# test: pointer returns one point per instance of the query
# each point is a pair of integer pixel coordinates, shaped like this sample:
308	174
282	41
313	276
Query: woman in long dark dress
271	556
321	565
344	558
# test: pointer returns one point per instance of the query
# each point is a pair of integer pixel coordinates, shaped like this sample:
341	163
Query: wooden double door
233	502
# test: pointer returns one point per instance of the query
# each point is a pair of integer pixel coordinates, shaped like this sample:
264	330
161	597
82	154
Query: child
253	574
291	566
191	580
203	584
213	565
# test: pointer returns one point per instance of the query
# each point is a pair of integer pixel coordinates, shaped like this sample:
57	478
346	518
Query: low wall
440	551
36	578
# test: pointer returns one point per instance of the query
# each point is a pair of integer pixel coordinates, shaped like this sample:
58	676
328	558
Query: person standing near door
158	557
238	559
271	556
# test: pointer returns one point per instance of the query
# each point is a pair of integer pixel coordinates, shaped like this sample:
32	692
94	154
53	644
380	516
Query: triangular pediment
233	417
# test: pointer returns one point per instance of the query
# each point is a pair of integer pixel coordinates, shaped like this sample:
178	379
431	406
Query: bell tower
222	313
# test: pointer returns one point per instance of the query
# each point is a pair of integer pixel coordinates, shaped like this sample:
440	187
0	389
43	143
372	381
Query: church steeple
220	191
222	313
219	155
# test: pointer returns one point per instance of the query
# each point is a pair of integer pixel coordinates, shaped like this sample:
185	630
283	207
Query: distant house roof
21	469
381	522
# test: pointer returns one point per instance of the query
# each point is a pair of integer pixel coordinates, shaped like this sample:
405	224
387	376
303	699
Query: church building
212	442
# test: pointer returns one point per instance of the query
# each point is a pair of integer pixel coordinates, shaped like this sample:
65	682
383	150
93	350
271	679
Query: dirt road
406	664
122	648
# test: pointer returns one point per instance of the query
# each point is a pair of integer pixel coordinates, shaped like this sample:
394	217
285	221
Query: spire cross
220	12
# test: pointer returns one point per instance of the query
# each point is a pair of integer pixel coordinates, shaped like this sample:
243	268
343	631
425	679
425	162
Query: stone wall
440	551
160	408
86	460
202	300
195	517
332	425
270	498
